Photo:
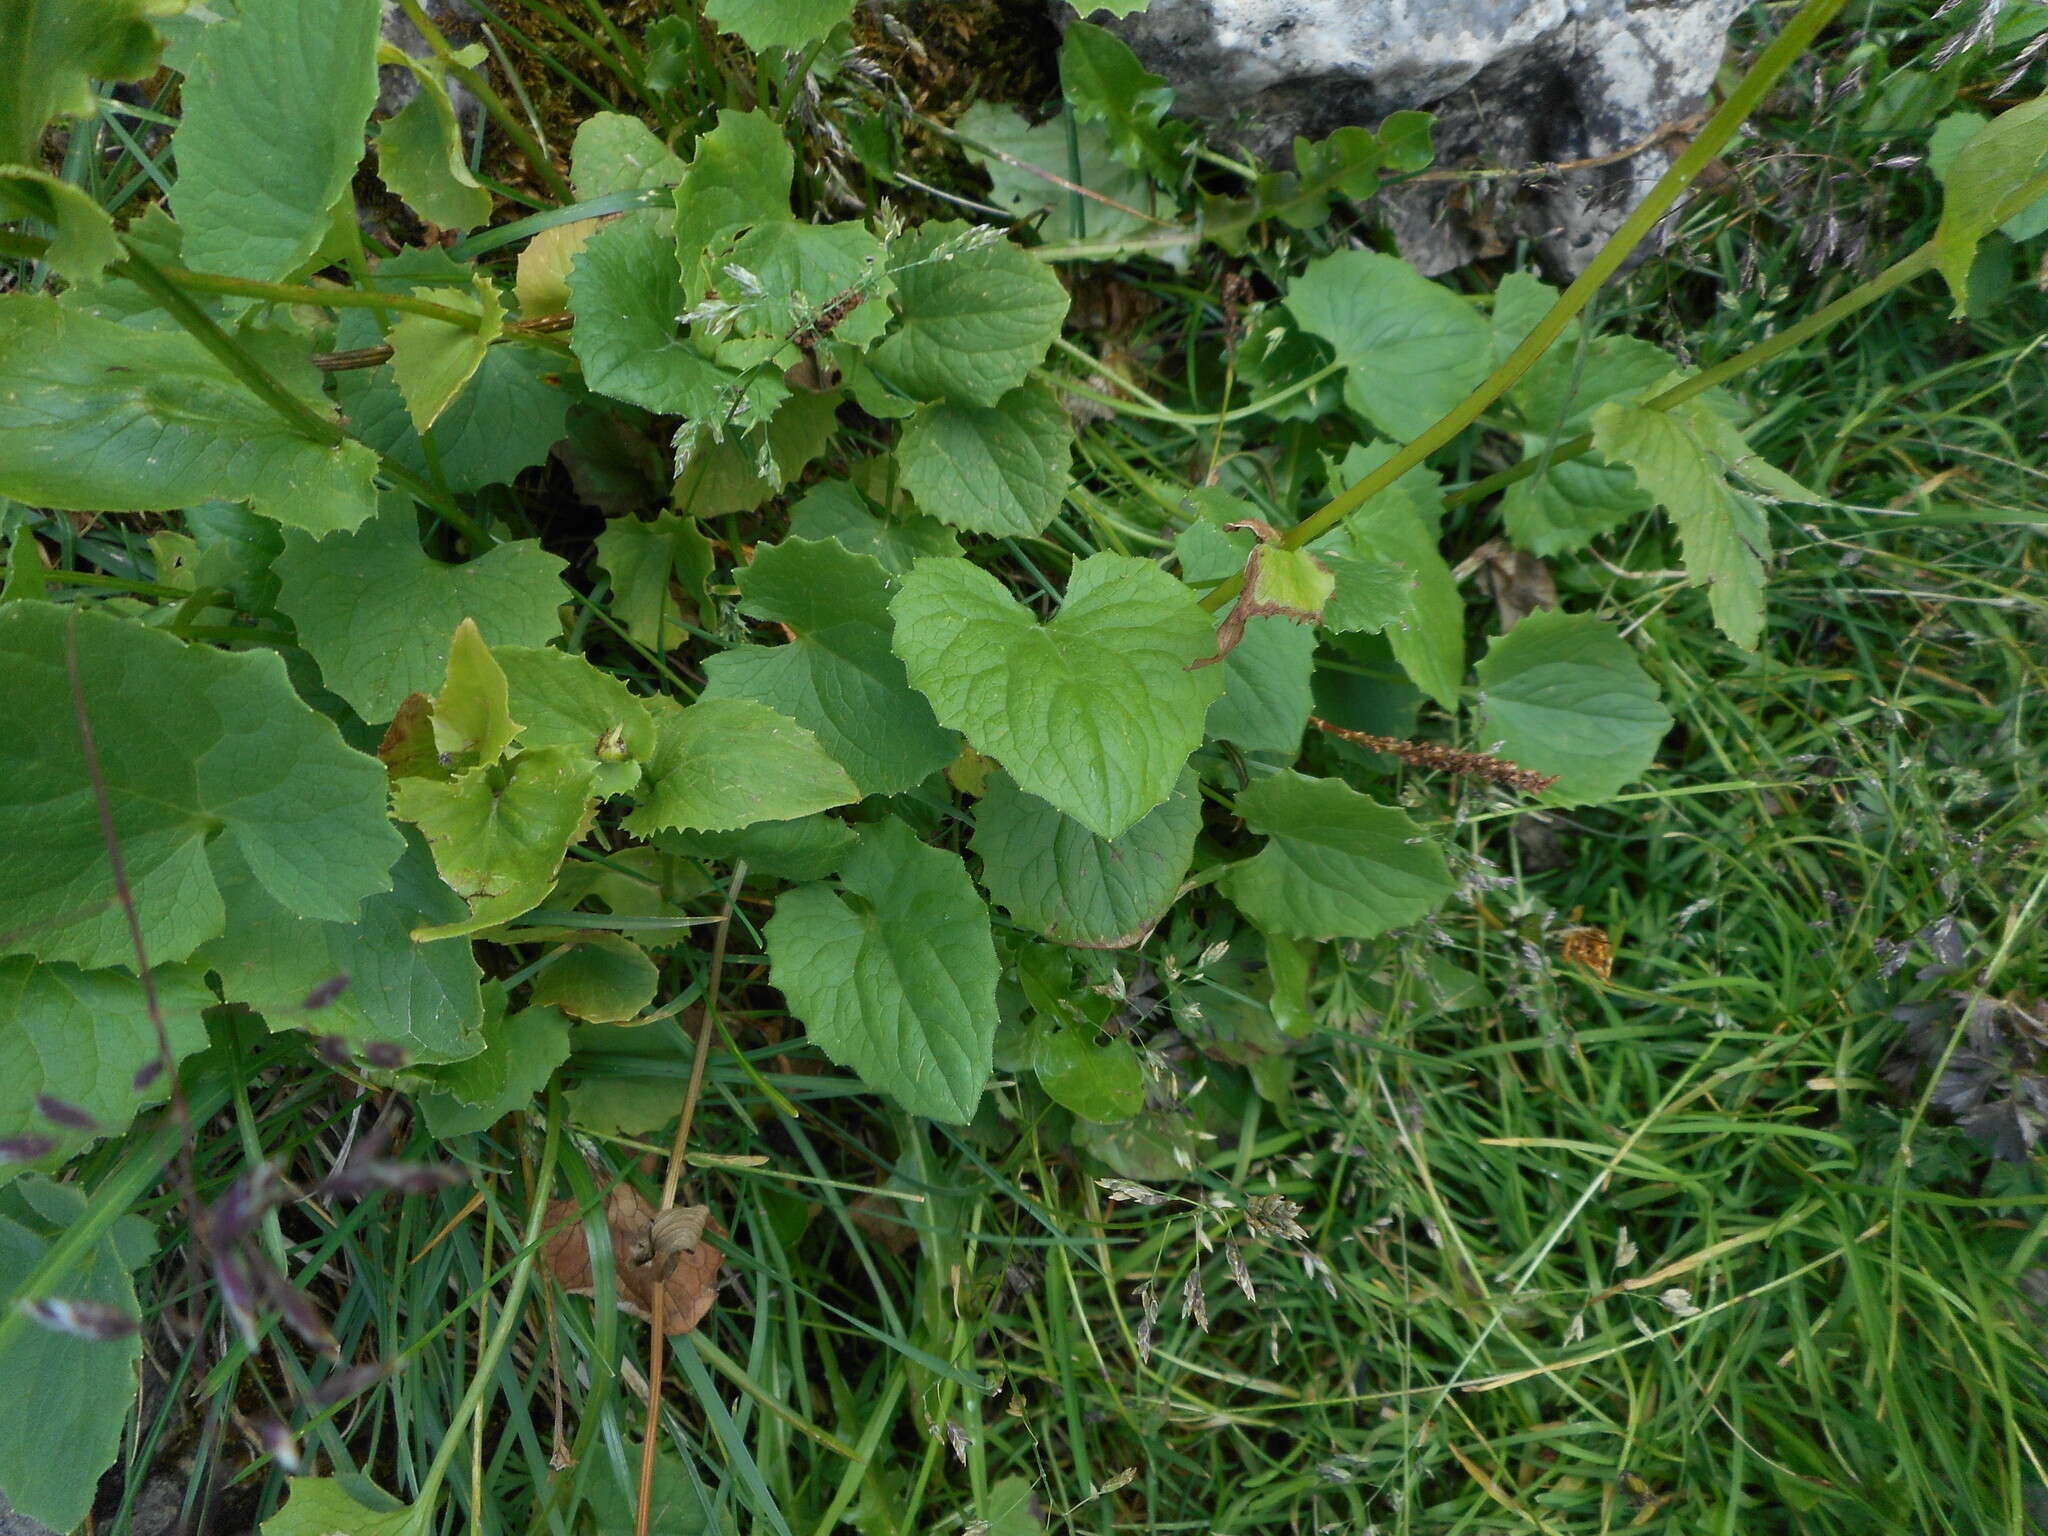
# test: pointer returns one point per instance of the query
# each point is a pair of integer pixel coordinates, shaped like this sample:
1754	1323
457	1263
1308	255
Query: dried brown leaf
1520	582
1588	948
692	1284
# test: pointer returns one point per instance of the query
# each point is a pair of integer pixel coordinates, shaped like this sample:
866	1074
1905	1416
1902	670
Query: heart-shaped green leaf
895	974
1095	711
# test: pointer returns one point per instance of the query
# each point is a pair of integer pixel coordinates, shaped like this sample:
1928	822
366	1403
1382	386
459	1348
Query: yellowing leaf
472	712
542	283
499	834
431	359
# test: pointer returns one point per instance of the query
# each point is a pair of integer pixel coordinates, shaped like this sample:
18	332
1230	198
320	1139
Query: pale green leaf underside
1336	865
1051	873
420	158
1094	712
725	763
899	982
1723	532
432	361
101	417
274	104
202	751
1563	694
1994	162
378	613
499	835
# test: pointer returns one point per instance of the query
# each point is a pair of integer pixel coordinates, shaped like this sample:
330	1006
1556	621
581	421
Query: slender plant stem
493	103
509	1319
1147	409
1713	138
324	297
670	1178
149	1152
110	583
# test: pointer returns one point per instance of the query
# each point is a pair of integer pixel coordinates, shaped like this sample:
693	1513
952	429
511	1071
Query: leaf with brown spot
407	750
691	1286
1278	583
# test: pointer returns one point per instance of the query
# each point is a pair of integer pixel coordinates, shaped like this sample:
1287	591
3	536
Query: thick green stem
1712	139
1862	296
308	422
34	249
324	298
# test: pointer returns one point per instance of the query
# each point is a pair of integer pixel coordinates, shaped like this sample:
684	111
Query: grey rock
12	1524
460	25
1514	84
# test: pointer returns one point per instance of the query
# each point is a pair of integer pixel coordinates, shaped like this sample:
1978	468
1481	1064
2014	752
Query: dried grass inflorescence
1442	759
